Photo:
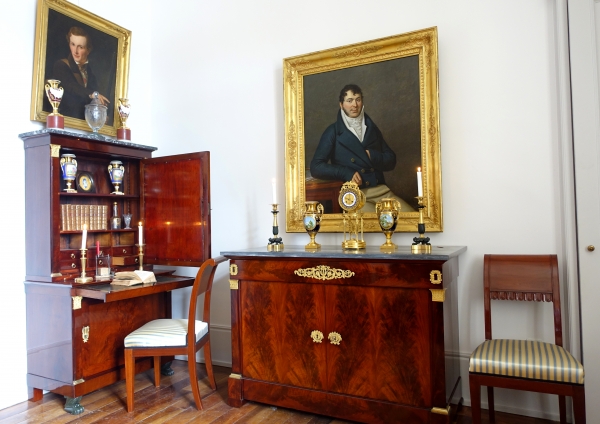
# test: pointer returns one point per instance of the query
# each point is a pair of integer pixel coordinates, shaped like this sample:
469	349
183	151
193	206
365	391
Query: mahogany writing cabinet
75	331
364	336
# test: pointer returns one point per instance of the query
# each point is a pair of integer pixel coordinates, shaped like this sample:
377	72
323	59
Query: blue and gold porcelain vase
116	171
68	165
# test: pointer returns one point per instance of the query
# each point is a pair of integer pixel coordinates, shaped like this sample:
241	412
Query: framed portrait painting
368	113
87	54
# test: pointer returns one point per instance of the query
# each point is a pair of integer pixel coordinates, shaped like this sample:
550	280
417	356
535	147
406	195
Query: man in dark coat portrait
76	75
353	149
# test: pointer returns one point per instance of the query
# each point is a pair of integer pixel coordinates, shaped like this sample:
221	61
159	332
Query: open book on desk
131	278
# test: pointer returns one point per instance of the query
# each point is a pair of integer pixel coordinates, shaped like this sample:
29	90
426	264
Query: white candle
419	183
84	236
274	191
141	232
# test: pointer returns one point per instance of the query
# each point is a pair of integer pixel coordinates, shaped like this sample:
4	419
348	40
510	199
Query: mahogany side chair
163	337
524	364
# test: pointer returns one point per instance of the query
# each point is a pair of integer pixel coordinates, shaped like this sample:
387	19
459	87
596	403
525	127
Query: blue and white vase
68	165
116	171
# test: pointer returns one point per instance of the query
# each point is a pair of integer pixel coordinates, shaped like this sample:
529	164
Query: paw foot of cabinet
72	405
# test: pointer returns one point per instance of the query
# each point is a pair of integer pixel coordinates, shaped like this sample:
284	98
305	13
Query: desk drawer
123	250
125	260
413	274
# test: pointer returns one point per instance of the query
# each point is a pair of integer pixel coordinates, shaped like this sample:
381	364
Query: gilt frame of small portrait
398	76
108	62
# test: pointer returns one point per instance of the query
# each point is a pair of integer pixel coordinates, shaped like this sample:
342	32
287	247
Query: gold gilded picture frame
398	77
107	69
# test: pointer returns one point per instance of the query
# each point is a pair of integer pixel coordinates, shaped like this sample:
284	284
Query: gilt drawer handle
317	336
335	338
100	262
124	250
73	266
323	272
72	255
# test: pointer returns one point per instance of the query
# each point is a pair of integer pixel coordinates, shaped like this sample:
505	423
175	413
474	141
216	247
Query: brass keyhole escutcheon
334	338
317	336
591	248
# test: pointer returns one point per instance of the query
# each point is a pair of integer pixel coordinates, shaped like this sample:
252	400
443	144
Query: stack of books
73	217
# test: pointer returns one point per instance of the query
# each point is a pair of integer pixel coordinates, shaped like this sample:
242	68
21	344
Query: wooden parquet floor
173	402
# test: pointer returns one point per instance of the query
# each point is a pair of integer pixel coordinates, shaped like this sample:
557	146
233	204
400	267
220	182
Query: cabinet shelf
123	230
100	195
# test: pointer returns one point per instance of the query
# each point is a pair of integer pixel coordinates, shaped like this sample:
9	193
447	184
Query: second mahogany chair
163	337
524	364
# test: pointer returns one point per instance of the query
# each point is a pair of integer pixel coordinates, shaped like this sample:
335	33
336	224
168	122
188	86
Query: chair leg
491	410
562	408
129	377
194	381
475	389
157	371
209	368
579	404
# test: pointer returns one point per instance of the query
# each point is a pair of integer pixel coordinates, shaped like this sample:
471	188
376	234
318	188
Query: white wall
17	29
208	76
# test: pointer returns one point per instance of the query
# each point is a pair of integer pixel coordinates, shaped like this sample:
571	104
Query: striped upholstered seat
164	332
528	359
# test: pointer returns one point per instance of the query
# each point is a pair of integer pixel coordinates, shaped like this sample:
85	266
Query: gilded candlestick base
141	255
275	242
83	278
421	243
421	248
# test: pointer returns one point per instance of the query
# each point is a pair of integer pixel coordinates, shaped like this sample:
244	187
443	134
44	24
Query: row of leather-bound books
73	217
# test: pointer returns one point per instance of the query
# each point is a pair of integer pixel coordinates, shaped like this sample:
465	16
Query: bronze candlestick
83	278
141	255
275	242
421	243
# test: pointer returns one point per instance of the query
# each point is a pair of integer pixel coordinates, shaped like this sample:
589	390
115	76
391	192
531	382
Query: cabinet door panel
176	207
384	353
277	321
108	324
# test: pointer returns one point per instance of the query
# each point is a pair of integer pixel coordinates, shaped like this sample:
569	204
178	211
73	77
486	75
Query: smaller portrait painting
87	54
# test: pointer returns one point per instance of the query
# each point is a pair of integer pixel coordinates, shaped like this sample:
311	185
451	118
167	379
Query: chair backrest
525	278
202	284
